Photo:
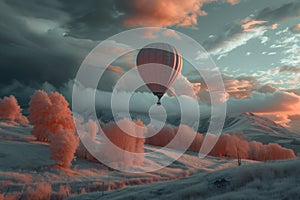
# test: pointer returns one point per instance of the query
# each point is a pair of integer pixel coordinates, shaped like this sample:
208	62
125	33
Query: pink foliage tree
53	122
11	111
162	137
63	146
124	142
39	110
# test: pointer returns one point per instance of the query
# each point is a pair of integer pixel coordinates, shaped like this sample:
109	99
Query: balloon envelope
159	64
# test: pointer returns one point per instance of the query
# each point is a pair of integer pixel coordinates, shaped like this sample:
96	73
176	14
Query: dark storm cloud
275	15
33	46
47	40
39	9
93	18
42	43
23	92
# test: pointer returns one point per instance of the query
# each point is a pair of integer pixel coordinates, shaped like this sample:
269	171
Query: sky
254	43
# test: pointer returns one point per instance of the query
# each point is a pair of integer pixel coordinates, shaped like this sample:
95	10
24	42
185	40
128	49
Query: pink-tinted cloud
251	25
183	86
115	69
277	102
274	26
296	28
233	2
152	34
171	33
164	13
239	88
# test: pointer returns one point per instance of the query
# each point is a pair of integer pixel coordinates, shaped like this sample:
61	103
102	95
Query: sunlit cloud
164	13
296	28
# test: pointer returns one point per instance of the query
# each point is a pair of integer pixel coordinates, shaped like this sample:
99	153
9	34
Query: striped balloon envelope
159	64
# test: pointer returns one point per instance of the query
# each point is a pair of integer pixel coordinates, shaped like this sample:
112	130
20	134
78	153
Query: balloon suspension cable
158	102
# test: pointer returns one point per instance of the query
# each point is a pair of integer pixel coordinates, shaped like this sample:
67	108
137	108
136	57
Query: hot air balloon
159	64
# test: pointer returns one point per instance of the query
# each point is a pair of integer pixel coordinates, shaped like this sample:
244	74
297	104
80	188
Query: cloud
33	33
267	89
294	122
233	37
239	33
183	86
92	19
115	69
241	87
295	91
237	87
163	13
153	34
279	14
291	69
295	28
23	91
233	2
276	102
171	33
251	25
277	106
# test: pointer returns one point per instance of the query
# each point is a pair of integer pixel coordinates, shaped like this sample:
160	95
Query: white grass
273	180
25	166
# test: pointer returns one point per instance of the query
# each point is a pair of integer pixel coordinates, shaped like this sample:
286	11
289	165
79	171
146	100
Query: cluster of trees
114	145
53	122
11	111
228	145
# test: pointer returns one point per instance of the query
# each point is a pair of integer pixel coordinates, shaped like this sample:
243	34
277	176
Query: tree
39	112
129	149
63	146
53	122
11	111
63	141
